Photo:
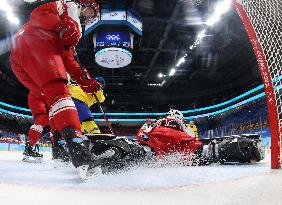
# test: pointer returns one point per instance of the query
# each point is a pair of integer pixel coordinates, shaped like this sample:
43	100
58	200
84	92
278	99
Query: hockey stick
105	117
95	96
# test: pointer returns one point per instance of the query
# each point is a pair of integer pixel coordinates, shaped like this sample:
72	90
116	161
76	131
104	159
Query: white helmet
176	114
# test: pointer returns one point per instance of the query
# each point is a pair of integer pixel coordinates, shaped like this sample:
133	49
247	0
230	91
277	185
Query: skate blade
86	174
60	164
28	159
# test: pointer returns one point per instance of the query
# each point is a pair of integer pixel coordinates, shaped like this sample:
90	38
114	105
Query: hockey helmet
87	15
176	114
148	120
101	81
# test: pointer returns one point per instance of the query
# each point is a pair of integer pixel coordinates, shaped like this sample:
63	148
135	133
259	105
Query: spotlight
181	60
4	6
13	19
172	72
221	8
201	34
161	75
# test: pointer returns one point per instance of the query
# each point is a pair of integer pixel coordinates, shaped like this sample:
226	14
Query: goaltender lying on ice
114	153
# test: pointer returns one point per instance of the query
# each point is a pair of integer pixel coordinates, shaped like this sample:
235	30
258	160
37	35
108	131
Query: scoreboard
115	33
113	39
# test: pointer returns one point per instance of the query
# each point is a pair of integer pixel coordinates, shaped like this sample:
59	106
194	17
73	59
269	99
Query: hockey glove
69	31
87	83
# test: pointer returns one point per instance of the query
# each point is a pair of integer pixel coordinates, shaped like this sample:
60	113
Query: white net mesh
266	19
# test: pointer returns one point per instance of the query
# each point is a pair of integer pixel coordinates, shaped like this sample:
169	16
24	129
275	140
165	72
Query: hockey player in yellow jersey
193	128
83	101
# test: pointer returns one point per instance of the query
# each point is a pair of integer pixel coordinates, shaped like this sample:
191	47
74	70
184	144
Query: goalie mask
89	11
175	114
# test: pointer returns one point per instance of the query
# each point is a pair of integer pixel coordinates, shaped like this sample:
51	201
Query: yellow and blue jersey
83	101
77	93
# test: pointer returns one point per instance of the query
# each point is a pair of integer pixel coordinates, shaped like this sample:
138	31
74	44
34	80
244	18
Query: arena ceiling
222	66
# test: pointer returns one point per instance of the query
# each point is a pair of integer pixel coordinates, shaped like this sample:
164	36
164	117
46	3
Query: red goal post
263	21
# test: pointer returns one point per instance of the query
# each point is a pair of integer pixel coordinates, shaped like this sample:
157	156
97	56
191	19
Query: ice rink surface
27	183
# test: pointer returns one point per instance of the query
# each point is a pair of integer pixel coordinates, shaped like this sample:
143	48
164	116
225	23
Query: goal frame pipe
268	86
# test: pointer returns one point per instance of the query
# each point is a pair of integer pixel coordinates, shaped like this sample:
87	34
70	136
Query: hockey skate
31	154
59	151
86	167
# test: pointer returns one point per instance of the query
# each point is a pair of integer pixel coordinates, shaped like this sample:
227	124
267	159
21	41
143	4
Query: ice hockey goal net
263	22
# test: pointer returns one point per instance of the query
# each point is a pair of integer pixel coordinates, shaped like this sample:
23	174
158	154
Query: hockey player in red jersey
40	57
169	135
